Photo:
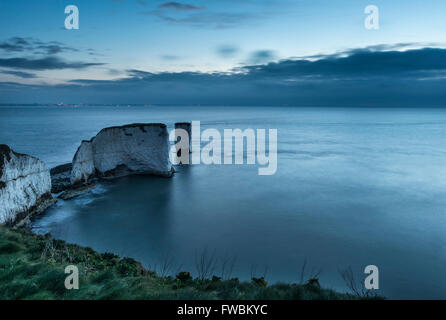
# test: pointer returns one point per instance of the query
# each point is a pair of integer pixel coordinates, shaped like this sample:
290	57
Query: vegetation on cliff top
32	267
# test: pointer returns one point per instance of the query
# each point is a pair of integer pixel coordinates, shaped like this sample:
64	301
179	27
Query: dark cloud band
365	77
179	6
49	63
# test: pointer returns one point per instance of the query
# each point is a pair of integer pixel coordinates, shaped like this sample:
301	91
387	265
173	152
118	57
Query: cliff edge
25	186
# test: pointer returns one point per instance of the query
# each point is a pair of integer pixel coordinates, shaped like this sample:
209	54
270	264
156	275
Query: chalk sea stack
25	186
140	148
186	126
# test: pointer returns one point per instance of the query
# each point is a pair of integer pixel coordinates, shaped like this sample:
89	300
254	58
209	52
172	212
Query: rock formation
61	177
186	126
117	151
25	186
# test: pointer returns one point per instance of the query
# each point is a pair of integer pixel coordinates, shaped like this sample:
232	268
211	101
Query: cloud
365	77
49	63
402	46
363	65
169	57
261	56
360	63
53	49
213	20
19	44
15	44
20	74
180	6
227	51
138	74
114	72
202	17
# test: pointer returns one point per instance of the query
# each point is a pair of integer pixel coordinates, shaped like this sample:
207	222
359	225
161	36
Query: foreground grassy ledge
32	267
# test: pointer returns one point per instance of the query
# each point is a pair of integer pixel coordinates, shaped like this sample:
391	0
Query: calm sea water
353	187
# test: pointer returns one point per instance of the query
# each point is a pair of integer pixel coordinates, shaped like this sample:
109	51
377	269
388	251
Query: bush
9	247
53	280
184	277
103	276
128	267
260	281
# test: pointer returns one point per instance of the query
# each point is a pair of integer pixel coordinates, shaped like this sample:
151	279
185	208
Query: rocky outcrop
186	126
141	148
61	177
25	186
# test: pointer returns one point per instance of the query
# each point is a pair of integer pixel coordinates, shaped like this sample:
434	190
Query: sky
230	52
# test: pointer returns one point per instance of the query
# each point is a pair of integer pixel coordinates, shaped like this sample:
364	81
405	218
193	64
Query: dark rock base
23	219
61	184
60	177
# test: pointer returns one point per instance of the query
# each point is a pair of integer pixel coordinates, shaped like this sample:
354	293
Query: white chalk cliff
141	148
25	186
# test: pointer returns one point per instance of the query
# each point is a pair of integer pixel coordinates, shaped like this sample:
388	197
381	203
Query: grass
32	267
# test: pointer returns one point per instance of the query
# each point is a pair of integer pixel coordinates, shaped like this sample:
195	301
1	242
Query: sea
353	187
